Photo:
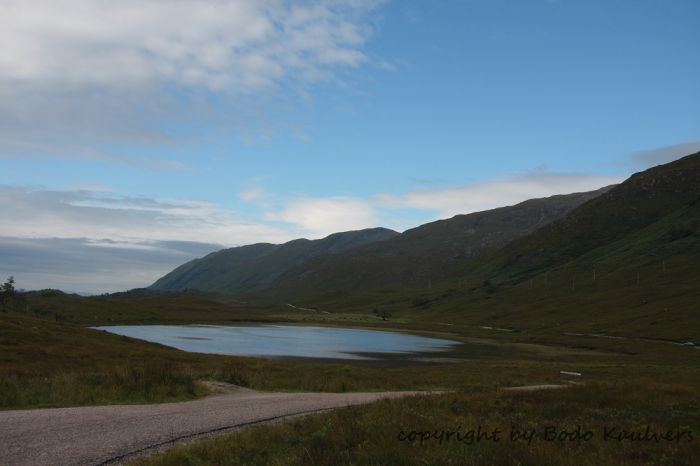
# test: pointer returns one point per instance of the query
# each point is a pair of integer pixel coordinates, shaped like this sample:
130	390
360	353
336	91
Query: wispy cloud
447	202
666	154
99	215
251	194
75	74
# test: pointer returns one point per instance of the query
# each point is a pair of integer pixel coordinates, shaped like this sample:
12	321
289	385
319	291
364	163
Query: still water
281	340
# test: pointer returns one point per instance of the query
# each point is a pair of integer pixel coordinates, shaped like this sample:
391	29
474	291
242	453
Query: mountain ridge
245	267
396	258
428	252
643	199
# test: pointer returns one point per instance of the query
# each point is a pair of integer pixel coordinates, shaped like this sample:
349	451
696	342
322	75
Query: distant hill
367	259
429	252
242	268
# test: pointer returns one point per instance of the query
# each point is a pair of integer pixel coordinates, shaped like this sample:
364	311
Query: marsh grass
110	385
45	363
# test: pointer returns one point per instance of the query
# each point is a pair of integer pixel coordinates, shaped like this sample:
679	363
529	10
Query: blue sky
174	128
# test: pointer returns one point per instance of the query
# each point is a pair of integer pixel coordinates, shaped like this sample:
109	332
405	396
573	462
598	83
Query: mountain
626	263
650	210
367	259
246	267
427	253
621	261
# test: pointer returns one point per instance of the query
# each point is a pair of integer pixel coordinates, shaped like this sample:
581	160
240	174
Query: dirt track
109	434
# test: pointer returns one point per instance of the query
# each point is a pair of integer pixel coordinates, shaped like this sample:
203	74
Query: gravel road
109	434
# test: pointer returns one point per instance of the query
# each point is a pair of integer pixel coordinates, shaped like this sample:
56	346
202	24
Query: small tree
384	314
7	290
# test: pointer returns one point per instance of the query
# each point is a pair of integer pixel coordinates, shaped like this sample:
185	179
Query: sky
139	134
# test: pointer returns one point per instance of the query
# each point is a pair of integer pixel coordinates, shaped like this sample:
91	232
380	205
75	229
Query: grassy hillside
626	263
242	268
424	254
655	196
623	263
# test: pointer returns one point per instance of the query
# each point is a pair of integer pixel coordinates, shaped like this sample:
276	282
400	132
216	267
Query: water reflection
281	340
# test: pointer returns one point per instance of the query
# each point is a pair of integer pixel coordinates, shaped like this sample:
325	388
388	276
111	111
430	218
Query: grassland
46	363
517	332
48	357
415	431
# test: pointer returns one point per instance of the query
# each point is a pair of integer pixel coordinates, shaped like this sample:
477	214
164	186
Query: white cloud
231	45
99	215
318	217
75	74
253	193
448	202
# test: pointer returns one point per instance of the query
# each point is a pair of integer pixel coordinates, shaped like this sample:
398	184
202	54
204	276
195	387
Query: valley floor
642	389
